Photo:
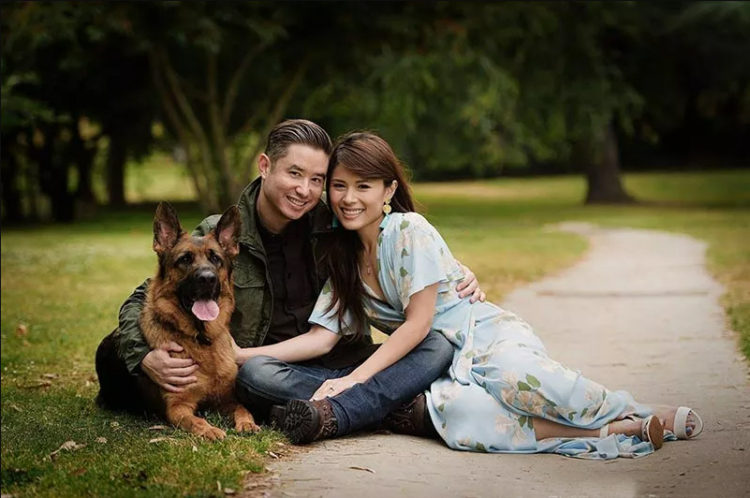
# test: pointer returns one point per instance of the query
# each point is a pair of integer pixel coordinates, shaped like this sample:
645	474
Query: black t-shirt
289	262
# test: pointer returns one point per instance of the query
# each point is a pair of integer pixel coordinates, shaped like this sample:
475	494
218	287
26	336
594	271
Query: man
278	274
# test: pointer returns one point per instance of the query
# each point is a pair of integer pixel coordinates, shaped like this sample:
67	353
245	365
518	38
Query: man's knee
110	371
118	389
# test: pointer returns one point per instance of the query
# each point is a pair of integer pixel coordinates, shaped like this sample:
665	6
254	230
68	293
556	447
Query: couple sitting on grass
311	279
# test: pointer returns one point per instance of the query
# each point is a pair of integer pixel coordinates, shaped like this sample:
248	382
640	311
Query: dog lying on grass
190	302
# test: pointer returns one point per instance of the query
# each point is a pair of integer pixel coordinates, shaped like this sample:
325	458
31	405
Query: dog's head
198	268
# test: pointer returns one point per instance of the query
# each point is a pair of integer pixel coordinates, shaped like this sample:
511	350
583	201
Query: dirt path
639	312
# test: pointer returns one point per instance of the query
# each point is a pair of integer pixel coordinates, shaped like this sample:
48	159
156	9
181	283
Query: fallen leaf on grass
79	472
44	383
366	469
50	375
229	491
195	448
16	407
115	425
67	446
272	454
21	330
102	440
157	427
160	439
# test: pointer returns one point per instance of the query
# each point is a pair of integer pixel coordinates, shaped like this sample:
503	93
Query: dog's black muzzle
202	284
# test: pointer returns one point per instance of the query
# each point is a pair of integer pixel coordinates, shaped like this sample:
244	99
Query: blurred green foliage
461	89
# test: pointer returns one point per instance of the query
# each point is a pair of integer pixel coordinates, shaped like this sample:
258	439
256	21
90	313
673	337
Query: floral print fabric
501	377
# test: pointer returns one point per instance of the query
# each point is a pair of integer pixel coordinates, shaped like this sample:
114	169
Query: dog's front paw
211	433
246	426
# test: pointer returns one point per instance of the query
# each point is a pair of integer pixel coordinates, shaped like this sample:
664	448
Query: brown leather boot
412	418
307	421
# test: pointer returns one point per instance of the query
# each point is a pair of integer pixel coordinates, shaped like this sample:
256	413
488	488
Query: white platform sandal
651	431
680	423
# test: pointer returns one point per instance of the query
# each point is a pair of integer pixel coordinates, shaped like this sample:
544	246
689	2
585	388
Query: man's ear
264	165
167	228
228	230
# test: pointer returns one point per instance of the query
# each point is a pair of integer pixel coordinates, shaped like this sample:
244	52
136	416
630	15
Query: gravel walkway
639	312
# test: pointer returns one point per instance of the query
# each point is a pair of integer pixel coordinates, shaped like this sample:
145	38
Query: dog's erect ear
228	230
166	228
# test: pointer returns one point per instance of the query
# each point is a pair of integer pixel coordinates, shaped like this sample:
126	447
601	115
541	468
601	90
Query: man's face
292	185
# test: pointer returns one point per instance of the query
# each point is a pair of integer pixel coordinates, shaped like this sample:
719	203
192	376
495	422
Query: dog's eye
185	259
214	258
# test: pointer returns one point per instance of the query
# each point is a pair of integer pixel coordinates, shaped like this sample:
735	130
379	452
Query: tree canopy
460	89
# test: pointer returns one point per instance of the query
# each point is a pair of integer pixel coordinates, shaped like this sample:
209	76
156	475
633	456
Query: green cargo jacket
252	290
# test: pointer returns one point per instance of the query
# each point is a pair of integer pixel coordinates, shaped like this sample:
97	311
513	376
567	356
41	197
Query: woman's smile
351	212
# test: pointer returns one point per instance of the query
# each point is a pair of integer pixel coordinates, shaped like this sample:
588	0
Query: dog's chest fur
217	369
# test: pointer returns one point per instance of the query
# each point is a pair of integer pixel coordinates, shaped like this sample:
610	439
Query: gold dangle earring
387	206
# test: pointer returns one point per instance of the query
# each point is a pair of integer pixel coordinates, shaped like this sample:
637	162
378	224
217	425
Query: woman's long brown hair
369	156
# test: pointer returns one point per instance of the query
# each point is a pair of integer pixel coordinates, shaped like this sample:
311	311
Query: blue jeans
265	380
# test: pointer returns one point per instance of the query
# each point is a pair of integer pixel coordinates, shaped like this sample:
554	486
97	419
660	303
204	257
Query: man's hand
469	286
332	387
171	374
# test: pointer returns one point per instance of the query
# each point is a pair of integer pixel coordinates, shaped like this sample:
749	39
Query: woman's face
357	202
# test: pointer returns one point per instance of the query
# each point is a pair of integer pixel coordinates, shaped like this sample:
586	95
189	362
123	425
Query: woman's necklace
366	260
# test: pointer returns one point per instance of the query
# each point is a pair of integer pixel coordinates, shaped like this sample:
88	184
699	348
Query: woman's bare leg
545	429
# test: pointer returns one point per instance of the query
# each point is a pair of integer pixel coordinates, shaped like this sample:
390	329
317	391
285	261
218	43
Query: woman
391	269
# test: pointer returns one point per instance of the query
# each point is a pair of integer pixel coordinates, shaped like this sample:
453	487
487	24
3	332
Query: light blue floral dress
501	377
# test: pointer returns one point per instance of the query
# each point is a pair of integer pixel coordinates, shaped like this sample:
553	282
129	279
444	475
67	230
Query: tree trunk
9	192
84	160
602	168
52	162
116	157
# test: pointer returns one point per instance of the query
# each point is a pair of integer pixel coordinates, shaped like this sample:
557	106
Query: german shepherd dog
190	302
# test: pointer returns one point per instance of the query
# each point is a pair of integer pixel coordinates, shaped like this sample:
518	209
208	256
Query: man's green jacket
252	290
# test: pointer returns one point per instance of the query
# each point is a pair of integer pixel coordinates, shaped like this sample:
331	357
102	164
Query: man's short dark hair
296	131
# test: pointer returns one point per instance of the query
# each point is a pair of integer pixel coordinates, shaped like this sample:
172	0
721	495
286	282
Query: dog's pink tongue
206	311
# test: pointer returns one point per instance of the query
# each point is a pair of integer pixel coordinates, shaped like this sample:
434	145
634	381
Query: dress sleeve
422	258
329	319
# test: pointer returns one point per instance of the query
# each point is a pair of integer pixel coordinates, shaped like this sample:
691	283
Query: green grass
498	227
66	283
157	177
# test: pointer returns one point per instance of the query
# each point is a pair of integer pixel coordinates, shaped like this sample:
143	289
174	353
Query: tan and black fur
196	268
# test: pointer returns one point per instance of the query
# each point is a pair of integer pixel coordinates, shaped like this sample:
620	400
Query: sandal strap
680	423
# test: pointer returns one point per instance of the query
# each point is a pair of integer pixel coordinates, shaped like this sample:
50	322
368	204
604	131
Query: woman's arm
419	315
317	342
